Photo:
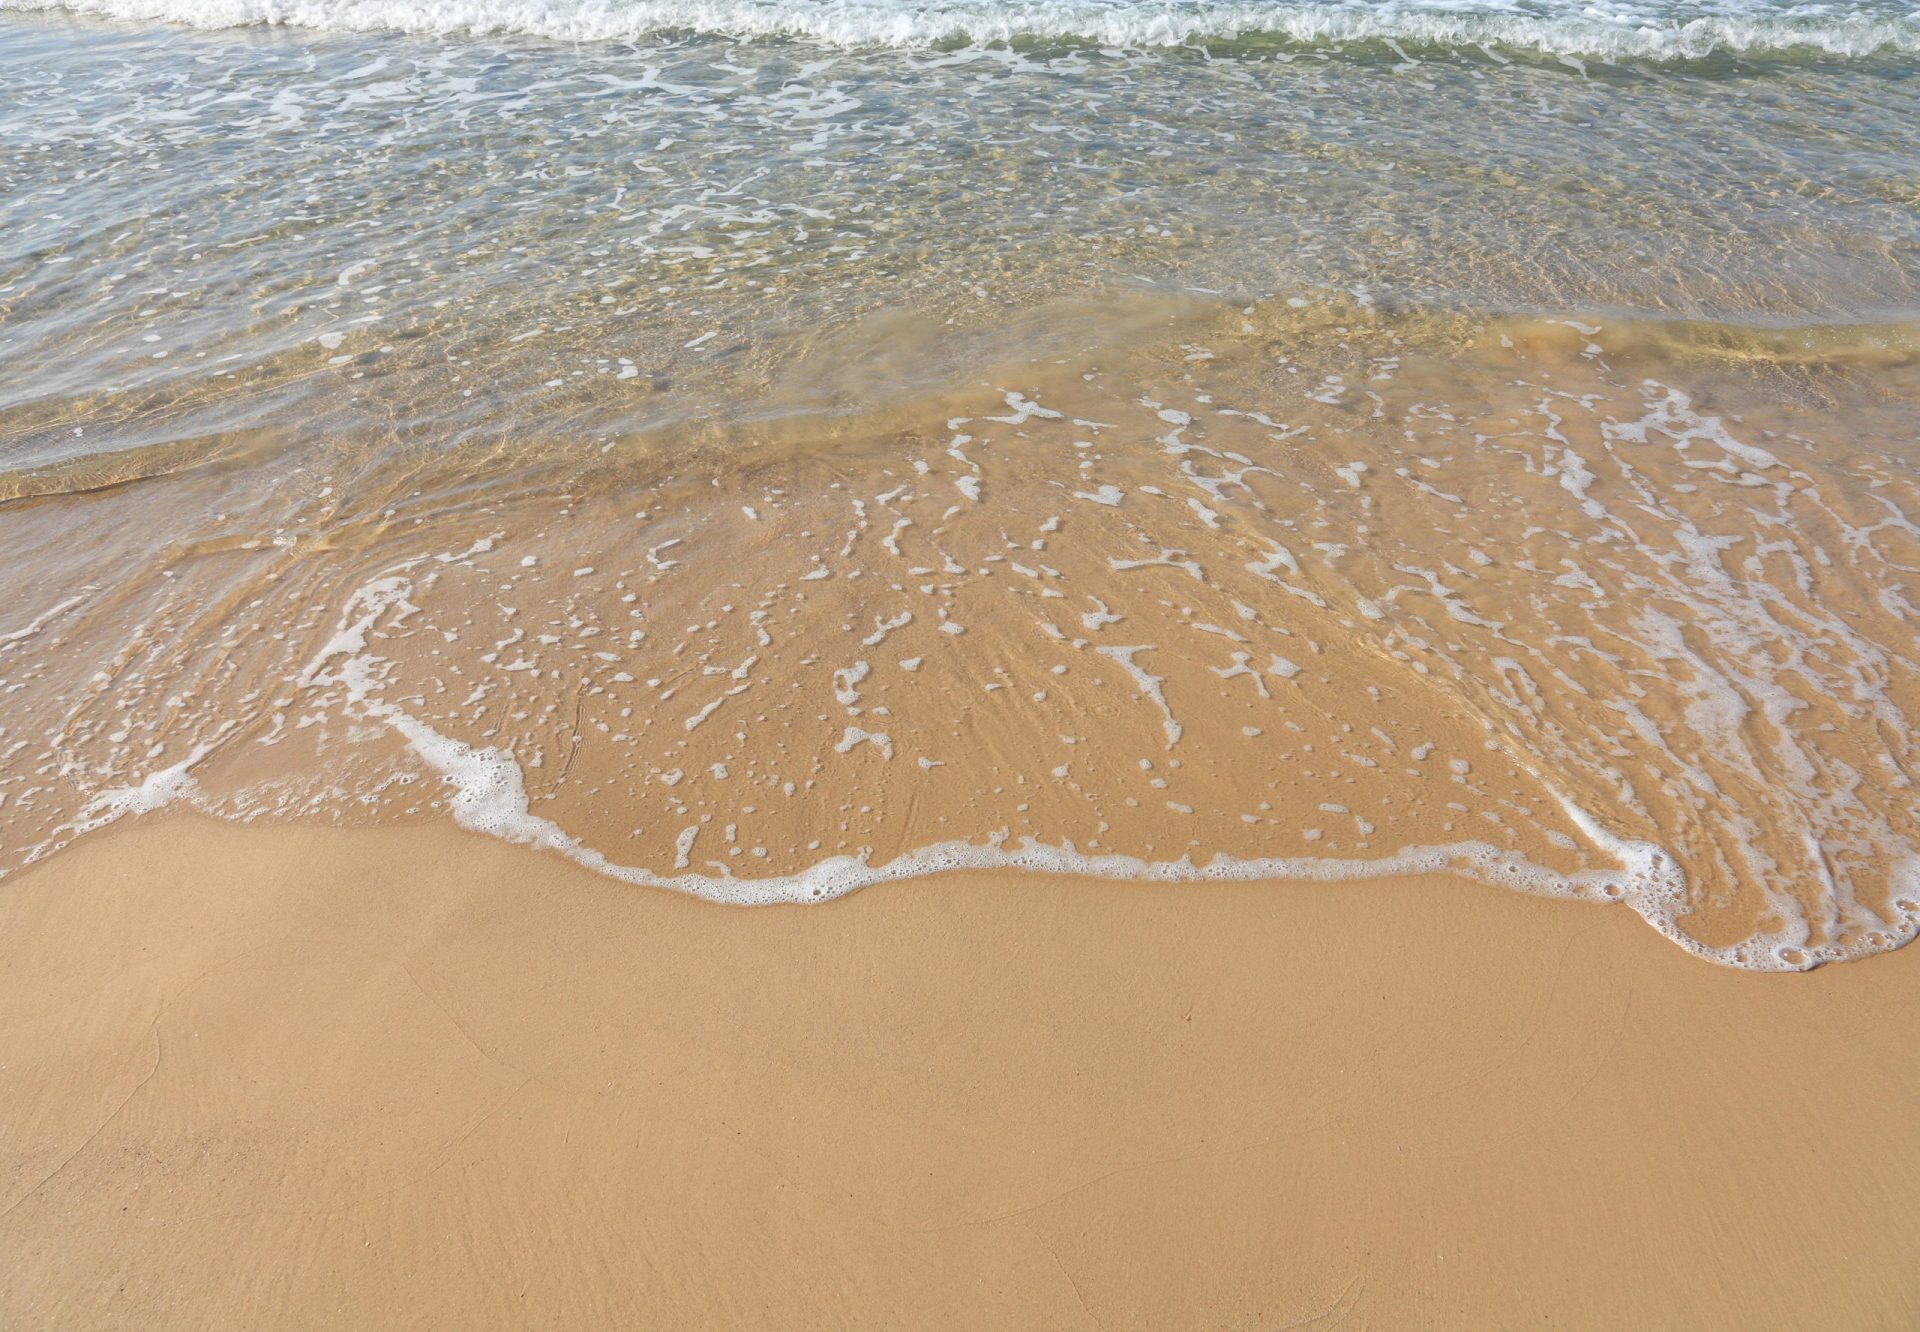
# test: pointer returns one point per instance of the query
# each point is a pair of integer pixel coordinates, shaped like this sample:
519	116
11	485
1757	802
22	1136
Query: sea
766	450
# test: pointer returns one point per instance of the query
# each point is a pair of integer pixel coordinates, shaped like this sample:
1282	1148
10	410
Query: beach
931	663
418	1078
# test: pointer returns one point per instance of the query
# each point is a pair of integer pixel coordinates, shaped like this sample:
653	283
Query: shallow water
770	466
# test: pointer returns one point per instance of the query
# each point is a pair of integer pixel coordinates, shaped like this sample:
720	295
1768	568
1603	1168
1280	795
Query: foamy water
769	451
1656	31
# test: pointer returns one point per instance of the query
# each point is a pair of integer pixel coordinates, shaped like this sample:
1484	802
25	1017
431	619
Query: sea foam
486	793
1654	32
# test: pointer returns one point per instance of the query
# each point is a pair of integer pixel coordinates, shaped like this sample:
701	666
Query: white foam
1649	31
160	788
1149	684
489	796
882	627
40	621
486	787
854	737
846	683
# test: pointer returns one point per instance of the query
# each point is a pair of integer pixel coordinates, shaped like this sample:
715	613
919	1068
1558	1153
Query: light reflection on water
199	231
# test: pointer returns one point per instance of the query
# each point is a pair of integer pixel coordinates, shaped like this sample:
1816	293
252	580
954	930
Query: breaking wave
1608	32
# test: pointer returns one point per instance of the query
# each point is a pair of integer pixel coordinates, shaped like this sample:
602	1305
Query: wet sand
301	1077
1578	632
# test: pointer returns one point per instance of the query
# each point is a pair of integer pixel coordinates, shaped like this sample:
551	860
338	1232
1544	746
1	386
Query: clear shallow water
292	300
198	230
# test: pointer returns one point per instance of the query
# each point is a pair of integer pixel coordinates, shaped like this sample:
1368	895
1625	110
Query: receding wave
1601	32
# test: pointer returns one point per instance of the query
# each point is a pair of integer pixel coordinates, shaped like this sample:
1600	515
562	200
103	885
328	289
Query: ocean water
1659	31
770	449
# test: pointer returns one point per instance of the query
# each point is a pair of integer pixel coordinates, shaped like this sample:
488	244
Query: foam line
1654	32
488	795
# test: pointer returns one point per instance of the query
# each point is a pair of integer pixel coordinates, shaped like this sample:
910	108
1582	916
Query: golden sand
417	1078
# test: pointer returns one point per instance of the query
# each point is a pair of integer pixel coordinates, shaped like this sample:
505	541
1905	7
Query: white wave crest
1657	32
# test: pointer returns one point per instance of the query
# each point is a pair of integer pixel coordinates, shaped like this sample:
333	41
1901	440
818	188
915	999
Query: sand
304	1077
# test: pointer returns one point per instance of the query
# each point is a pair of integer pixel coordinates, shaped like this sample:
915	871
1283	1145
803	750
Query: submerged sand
298	1077
1612	612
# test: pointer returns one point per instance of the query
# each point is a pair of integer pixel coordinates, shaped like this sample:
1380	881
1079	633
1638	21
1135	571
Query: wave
1600	32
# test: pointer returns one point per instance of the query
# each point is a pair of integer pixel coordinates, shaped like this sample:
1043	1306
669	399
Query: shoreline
1120	613
1174	579
414	1076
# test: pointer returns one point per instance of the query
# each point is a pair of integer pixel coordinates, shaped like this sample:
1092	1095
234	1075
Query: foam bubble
160	788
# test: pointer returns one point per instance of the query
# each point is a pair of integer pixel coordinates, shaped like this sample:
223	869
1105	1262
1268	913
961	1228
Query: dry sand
410	1077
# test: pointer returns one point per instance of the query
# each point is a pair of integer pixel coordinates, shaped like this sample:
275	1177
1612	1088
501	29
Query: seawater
767	450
